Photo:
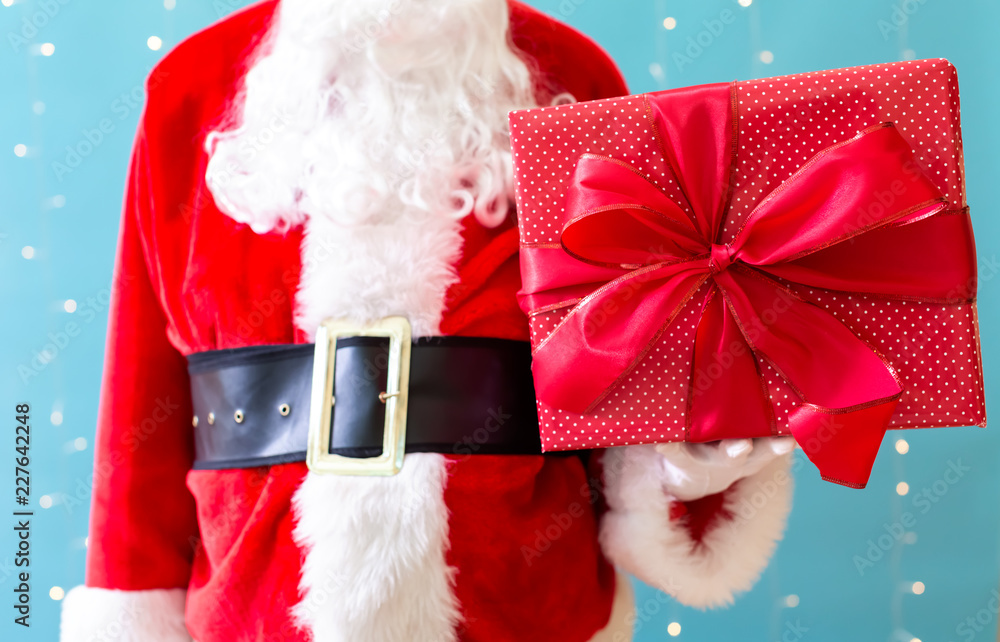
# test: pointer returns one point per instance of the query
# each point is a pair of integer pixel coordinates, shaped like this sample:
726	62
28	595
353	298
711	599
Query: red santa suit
483	548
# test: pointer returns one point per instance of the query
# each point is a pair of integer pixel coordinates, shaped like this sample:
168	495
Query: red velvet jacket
190	279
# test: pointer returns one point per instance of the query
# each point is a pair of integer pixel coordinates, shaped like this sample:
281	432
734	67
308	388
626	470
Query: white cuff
107	615
638	535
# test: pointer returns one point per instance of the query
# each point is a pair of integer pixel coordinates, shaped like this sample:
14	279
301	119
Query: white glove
692	471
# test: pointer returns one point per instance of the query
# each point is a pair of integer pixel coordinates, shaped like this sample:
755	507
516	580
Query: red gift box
792	255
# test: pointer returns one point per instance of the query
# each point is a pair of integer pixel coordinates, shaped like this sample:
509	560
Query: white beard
382	122
365	111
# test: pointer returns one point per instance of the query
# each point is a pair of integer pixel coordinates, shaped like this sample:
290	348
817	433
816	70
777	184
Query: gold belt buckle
390	461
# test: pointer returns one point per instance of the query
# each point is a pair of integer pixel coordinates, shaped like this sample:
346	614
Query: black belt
466	396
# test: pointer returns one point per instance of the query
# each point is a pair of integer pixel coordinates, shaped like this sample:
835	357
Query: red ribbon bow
631	259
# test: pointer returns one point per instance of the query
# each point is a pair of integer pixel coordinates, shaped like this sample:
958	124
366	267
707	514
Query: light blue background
47	103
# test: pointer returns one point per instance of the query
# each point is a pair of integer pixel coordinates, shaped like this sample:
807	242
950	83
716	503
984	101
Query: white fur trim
623	611
638	535
106	615
375	570
367	272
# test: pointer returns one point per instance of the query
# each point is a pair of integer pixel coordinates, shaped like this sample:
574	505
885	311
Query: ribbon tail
842	444
728	398
848	390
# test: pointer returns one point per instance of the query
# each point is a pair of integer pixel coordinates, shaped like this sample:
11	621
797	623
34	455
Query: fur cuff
107	615
638	535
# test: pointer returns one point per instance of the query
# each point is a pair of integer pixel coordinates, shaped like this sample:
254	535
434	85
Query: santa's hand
692	471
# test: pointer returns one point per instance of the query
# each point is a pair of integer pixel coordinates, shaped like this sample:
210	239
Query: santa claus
312	160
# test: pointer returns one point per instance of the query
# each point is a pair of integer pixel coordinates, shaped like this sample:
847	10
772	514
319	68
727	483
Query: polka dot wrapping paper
782	123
